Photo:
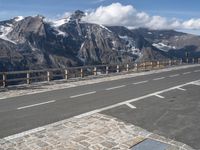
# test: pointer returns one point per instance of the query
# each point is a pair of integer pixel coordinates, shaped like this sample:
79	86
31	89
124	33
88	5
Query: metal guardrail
29	76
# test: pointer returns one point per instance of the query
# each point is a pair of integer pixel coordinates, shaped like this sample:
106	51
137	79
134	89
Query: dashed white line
133	100
159	96
141	82
182	89
175	75
131	106
186	73
79	95
34	105
159	78
197	71
116	87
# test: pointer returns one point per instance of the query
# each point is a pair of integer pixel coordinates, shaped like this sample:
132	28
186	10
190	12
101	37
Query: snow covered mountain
37	43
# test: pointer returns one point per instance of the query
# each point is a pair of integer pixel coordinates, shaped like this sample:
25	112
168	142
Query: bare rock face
35	43
172	42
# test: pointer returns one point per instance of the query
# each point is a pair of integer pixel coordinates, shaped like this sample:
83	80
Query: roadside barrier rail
30	76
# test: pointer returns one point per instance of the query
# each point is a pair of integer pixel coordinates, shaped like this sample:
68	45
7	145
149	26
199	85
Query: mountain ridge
34	43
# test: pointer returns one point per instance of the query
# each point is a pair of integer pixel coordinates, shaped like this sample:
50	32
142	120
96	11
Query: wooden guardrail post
175	62
136	66
170	62
158	64
28	80
82	73
95	71
127	67
4	79
117	68
107	69
151	64
181	61
48	76
187	60
66	74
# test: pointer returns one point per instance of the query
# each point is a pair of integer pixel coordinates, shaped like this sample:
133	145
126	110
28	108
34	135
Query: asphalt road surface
166	103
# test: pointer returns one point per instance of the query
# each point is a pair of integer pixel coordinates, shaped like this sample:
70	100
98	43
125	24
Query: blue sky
183	9
180	9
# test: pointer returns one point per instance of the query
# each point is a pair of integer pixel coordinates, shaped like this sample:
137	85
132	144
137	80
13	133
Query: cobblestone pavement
95	132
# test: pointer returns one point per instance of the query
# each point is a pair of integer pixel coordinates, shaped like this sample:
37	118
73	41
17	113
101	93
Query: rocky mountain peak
77	15
37	43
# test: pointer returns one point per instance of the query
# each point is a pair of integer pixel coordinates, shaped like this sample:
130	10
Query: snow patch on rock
60	22
105	28
163	46
18	18
4	31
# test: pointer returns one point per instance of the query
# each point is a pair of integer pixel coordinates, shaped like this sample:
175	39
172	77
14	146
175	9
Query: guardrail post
199	60
145	65
107	69
117	68
48	76
187	60
82	74
193	60
151	64
136	66
181	61
158	64
127	67
4	79
174	62
95	71
66	74
170	62
28	80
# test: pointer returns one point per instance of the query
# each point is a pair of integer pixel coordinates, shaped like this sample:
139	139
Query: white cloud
127	15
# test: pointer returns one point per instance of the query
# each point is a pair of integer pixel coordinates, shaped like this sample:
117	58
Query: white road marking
133	100
175	75
197	71
179	88
196	83
24	133
141	82
159	96
116	87
131	106
79	95
34	105
159	78
186	73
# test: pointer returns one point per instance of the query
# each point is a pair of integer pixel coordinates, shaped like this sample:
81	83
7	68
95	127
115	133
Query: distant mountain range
35	43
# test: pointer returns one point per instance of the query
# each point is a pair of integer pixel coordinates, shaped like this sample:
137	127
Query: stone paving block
95	132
